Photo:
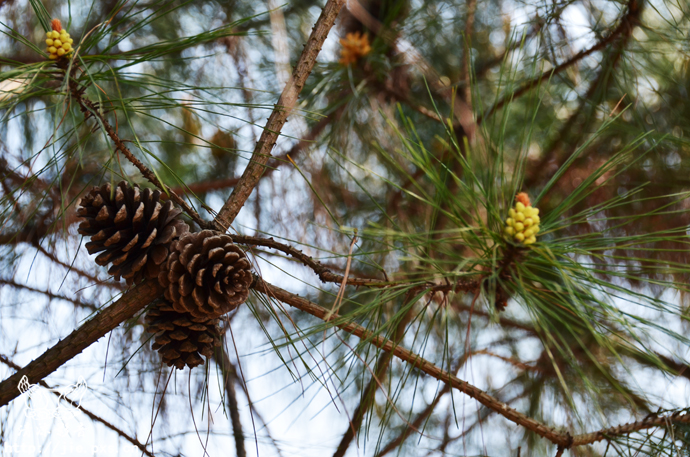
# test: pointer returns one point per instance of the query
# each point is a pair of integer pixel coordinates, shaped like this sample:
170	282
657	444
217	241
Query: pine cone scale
181	337
208	275
150	239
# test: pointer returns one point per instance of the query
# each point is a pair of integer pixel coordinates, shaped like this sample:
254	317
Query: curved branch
650	421
326	275
229	378
539	169
89	109
367	397
49	294
628	21
303	143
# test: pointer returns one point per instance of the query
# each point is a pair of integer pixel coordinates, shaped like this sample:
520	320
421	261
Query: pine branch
229	378
416	424
413	359
49	294
286	103
81	338
72	268
539	169
628	21
648	422
564	440
326	275
206	186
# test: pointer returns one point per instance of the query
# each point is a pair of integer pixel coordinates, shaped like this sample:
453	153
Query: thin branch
81	338
539	169
303	143
628	21
368	393
229	378
564	440
516	363
49	294
89	109
650	421
286	103
91	415
76	270
416	424
467	61
326	275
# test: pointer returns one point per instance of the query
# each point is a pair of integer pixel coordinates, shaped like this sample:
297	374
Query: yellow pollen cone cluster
355	45
58	41
522	224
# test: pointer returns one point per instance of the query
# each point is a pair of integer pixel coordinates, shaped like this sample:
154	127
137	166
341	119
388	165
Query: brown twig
91	415
564	440
326	275
286	103
416	423
49	294
81	338
89	109
467	60
650	421
540	168
274	163
76	270
229	380
624	28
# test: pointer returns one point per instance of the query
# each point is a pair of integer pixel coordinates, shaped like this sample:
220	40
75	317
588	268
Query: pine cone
181	337
207	275
132	228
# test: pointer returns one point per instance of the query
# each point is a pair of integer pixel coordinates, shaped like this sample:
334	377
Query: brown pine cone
207	275
132	228
181	338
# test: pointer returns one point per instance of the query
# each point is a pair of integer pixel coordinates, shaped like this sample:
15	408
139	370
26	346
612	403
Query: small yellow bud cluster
522	224
58	41
355	45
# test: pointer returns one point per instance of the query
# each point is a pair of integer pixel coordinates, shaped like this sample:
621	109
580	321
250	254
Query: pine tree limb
286	103
49	294
303	143
628	21
89	109
229	378
367	397
412	359
648	422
